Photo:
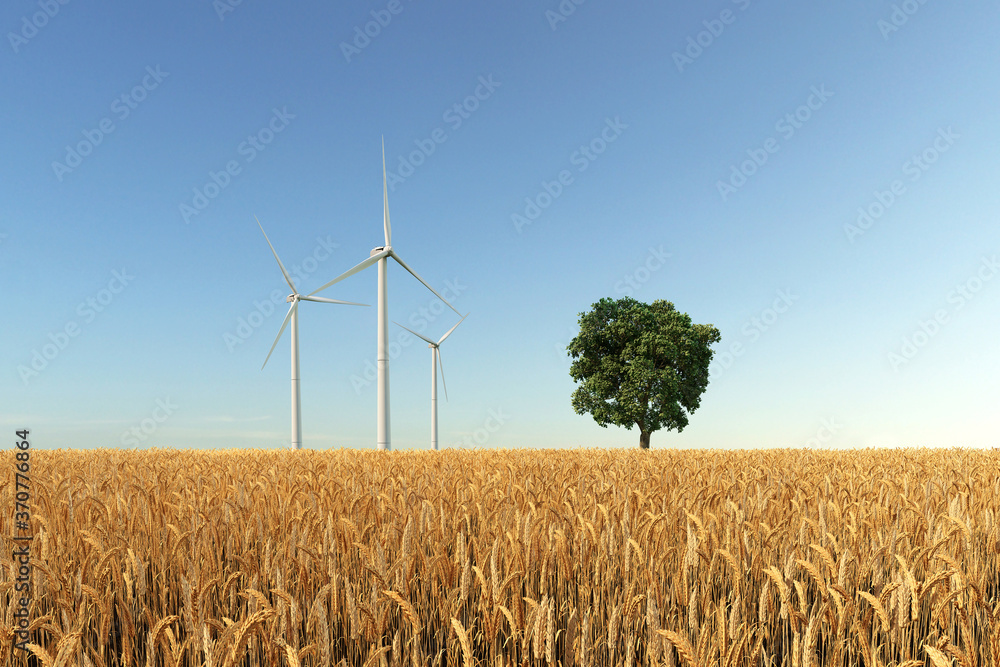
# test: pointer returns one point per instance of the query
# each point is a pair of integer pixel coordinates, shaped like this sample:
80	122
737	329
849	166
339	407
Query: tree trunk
644	439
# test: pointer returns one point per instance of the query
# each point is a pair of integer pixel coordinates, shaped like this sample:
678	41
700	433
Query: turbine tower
435	362
381	255
293	315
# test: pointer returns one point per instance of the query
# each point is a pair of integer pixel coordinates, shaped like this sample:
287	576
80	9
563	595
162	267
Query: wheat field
552	557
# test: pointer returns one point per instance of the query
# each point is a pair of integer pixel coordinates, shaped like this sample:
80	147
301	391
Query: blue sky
817	180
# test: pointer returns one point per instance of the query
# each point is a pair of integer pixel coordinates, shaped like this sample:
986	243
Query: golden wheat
598	558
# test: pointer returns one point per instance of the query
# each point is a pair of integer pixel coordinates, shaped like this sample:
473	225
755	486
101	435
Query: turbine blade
392	253
284	324
288	278
415	333
452	329
323	300
385	199
441	366
362	265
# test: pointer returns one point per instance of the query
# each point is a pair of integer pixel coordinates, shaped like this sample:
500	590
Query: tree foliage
640	364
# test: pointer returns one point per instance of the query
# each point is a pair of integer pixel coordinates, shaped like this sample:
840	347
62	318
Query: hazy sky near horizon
817	180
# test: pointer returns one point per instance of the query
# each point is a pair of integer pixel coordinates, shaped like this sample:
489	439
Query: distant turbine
293	314
435	362
381	255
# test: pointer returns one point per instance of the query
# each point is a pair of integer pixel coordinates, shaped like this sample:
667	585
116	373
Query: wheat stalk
463	639
937	657
682	645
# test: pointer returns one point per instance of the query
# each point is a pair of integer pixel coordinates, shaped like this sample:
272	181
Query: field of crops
579	557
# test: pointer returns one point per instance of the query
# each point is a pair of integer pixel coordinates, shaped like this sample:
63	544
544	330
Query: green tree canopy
640	364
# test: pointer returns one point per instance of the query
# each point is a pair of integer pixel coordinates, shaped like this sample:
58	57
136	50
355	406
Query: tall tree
640	364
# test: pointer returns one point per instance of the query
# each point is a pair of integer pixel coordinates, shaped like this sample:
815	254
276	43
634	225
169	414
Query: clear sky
817	180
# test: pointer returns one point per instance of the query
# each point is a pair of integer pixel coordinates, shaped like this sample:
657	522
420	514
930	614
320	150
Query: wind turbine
381	255
435	362
293	315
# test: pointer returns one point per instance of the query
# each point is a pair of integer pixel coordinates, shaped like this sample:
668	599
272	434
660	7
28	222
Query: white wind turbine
435	362
293	315
382	255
